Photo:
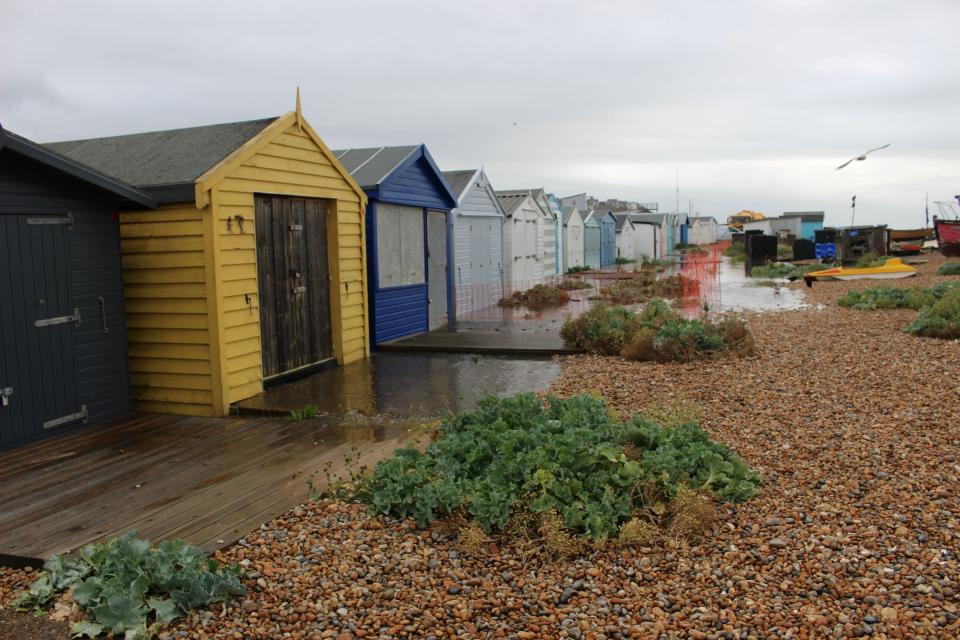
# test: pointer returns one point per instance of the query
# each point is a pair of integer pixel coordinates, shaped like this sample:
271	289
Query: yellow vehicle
737	220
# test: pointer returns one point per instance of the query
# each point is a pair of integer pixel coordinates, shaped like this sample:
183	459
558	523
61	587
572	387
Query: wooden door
38	325
294	282
437	264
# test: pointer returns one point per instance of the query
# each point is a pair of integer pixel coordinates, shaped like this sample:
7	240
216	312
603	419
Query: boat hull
892	269
947	230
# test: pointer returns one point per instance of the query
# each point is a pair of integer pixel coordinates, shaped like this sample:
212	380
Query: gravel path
855	427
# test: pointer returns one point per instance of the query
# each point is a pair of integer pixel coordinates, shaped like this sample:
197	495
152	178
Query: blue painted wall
808	229
396	312
608	240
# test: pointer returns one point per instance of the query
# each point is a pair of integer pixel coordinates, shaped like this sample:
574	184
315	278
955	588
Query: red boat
946	230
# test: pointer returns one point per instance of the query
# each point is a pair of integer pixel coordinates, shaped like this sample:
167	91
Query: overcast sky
753	102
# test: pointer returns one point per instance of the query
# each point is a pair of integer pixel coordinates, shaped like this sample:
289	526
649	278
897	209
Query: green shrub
683	340
645	286
654	263
784	270
887	297
569	284
569	456
939	320
541	296
622	260
122	583
870	259
602	329
578	269
307	413
949	269
737	252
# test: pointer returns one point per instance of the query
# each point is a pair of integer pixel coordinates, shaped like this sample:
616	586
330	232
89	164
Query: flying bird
862	156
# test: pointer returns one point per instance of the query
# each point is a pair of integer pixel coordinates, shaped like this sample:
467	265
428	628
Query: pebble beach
854	425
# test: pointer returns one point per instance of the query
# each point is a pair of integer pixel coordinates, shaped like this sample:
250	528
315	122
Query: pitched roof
650	218
371	165
511	200
165	164
459	181
569	211
39	153
621	219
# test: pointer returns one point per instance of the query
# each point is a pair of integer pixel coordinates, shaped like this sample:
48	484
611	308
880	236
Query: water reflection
408	385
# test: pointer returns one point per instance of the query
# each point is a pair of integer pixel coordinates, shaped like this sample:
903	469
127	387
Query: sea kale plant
568	456
123	584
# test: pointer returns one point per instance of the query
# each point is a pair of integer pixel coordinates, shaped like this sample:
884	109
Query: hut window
400	245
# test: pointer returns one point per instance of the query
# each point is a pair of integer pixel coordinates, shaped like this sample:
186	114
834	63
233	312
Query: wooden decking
206	480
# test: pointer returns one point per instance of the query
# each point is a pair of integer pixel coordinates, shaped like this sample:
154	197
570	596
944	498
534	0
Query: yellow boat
891	269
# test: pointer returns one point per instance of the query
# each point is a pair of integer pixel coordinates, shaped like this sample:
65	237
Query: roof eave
40	154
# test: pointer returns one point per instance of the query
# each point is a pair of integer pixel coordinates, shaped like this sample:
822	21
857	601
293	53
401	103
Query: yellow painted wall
292	164
165	293
190	281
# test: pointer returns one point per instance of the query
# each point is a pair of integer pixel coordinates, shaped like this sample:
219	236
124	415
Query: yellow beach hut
252	267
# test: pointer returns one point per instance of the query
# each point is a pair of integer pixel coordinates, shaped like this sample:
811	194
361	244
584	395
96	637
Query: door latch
5	394
48	322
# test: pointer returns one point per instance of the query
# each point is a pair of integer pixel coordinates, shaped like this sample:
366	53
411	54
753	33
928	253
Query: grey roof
39	153
511	200
371	165
590	219
165	164
805	216
650	218
570	210
459	181
621	219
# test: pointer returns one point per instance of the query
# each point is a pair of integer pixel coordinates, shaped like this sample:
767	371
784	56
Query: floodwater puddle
407	385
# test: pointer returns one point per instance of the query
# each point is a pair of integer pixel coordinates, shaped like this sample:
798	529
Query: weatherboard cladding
165	164
403	175
478	240
190	273
608	239
30	187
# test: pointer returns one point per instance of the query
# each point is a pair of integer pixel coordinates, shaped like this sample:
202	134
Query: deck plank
207	480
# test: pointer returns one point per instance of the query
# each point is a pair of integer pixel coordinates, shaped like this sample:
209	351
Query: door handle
5	394
103	315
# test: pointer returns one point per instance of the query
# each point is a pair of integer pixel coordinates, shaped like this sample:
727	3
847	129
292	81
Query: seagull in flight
862	156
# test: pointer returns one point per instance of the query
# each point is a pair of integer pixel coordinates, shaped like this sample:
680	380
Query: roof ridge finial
299	112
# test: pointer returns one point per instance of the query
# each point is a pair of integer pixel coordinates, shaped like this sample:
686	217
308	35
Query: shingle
459	181
370	166
163	163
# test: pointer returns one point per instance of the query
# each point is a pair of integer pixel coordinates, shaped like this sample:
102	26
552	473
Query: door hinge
67	220
47	322
298	290
296	227
67	419
5	394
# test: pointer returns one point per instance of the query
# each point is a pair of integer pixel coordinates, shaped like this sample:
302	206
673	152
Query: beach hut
252	267
626	237
554	204
549	228
660	224
703	230
647	240
522	239
572	237
810	222
63	344
608	239
591	239
408	231
478	240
